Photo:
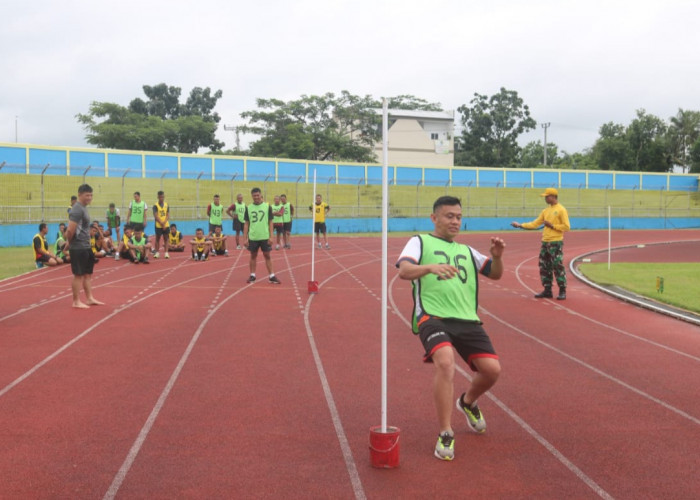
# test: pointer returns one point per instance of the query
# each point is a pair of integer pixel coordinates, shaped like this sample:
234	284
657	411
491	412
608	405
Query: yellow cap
550	191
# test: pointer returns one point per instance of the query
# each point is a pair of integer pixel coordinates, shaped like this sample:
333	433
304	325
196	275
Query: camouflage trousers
552	263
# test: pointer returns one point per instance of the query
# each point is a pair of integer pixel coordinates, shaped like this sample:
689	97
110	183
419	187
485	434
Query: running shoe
473	414
116	256
445	446
274	280
238	247
145	260
328	247
195	257
225	253
156	255
320	246
166	255
251	279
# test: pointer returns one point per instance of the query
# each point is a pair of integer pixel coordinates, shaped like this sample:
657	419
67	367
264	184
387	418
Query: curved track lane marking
350	464
150	421
522	423
605	325
119	309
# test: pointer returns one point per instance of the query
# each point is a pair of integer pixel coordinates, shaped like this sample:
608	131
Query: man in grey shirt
82	258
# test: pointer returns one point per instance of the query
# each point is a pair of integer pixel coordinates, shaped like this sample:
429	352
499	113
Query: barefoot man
82	258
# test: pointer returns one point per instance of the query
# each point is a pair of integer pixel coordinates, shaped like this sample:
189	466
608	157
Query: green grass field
15	260
681	281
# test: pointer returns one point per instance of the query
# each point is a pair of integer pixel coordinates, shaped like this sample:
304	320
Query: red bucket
384	447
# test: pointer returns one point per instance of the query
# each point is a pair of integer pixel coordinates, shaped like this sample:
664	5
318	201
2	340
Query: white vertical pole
609	236
385	217
313	243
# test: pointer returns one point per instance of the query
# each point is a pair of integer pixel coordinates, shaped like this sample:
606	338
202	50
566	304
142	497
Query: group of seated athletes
133	246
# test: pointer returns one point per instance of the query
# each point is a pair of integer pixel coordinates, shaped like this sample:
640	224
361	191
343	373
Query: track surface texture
190	383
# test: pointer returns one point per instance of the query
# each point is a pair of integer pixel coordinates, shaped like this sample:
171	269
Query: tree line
345	127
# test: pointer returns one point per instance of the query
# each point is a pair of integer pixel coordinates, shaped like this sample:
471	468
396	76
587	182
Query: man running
445	292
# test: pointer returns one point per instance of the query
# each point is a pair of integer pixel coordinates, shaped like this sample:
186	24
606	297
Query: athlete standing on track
215	211
137	213
320	209
161	214
82	259
556	222
445	292
237	212
257	234
287	221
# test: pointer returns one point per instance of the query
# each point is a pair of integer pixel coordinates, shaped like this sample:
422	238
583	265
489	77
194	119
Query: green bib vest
258	217
454	298
137	211
239	208
216	214
287	215
277	219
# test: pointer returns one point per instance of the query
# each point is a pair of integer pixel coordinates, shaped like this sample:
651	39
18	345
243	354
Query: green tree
328	127
647	140
490	129
532	155
612	150
682	135
160	123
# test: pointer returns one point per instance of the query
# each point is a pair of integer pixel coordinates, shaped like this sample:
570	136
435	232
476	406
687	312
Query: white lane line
350	464
150	421
524	425
605	325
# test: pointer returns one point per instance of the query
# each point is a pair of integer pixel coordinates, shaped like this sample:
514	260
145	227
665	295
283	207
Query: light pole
232	128
545	126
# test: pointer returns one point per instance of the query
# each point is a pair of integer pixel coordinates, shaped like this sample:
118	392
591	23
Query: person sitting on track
218	243
42	256
201	246
59	247
175	243
96	242
125	247
141	246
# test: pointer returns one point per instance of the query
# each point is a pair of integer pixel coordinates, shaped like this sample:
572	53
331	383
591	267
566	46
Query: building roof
423	115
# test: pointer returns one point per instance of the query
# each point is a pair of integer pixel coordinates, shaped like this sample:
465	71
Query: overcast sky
576	64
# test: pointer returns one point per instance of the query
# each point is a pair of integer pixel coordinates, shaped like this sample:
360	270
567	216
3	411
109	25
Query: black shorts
82	261
469	339
213	226
137	226
43	258
278	227
162	231
264	245
238	225
320	227
288	227
220	251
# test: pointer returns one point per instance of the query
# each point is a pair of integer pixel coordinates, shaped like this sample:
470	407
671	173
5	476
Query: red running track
191	384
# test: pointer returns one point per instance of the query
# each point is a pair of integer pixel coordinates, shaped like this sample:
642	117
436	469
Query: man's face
138	234
318	199
44	230
550	199
447	220
173	230
257	197
85	198
216	200
199	233
128	233
239	198
137	197
277	200
161	197
217	231
111	209
283	199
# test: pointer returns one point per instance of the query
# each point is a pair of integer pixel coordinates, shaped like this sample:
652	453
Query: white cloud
577	64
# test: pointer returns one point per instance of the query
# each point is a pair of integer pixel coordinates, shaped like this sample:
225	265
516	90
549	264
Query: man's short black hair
137	192
84	188
446	200
160	192
255	190
42	226
73	198
173	225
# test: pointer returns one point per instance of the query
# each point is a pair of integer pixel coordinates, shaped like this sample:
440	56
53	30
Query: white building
421	138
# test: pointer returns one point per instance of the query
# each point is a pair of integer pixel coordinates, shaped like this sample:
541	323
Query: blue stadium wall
32	159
